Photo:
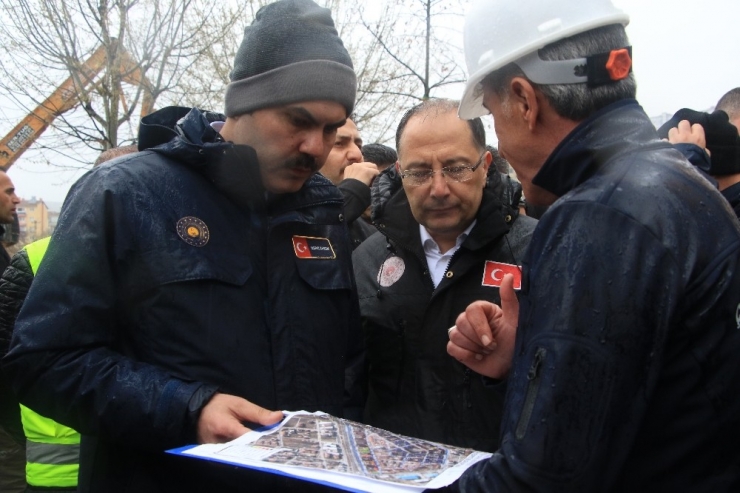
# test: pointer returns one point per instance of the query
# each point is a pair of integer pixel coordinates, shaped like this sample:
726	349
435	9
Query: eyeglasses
458	172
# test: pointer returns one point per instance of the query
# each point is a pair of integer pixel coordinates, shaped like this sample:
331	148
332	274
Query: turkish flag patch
313	248
494	272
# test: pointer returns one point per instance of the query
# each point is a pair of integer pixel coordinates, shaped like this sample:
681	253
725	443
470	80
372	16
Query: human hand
365	172
686	133
483	336
223	416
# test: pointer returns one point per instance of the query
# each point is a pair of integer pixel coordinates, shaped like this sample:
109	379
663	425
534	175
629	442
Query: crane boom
63	99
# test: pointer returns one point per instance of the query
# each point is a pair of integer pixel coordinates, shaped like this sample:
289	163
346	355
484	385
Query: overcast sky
685	55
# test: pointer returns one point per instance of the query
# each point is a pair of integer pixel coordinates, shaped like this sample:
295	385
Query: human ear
525	100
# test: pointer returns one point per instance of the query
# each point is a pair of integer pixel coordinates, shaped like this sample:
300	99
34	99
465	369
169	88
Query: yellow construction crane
64	98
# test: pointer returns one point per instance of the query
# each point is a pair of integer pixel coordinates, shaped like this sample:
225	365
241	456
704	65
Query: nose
354	154
315	144
439	185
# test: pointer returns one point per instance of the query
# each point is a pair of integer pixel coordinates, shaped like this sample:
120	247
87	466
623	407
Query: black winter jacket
172	275
356	200
625	372
415	387
14	284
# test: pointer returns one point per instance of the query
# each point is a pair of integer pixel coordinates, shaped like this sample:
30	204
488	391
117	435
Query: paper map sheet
357	457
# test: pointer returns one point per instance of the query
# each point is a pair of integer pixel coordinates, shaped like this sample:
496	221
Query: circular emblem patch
193	231
391	271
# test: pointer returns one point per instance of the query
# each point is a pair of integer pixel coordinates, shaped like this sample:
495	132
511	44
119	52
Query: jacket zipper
447	268
534	376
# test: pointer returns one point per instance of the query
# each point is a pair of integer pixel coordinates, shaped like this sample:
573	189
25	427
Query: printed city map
333	445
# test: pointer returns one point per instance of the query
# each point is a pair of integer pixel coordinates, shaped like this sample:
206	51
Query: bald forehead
5	182
429	116
348	132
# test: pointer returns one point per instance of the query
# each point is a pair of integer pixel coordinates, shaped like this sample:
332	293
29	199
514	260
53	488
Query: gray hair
574	101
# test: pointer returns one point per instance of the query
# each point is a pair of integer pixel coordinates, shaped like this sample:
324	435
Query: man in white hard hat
621	353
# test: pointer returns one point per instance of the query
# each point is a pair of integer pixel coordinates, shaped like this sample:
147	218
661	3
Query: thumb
253	413
509	301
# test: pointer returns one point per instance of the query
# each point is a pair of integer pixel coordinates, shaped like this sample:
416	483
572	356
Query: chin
285	186
443	226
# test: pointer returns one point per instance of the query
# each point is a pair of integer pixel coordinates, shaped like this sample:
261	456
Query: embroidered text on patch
307	247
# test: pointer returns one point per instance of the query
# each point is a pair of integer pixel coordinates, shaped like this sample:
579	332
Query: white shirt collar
428	243
436	260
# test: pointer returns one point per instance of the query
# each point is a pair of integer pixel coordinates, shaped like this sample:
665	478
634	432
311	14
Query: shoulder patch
193	231
308	247
391	271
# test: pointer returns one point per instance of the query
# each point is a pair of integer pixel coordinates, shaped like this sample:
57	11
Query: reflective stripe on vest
52	450
53	453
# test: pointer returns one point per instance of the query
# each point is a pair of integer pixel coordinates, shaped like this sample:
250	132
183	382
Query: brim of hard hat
471	103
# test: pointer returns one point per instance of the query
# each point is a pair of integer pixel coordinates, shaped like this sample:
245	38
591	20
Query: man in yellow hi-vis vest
52	449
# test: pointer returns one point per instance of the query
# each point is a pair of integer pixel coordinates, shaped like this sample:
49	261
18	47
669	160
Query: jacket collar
617	129
394	218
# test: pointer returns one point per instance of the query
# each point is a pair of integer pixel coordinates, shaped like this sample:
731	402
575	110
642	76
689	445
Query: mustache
303	161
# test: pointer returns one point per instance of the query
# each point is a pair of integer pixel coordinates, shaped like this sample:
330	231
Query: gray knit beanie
290	53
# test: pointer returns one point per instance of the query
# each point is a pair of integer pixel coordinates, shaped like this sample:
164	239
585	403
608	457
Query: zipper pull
534	370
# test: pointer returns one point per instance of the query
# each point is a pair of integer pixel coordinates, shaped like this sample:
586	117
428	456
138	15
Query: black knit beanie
290	53
721	135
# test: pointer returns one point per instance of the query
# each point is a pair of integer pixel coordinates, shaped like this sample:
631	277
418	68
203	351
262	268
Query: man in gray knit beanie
292	75
218	263
290	53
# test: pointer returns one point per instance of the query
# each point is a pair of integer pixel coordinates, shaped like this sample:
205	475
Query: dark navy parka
130	326
626	367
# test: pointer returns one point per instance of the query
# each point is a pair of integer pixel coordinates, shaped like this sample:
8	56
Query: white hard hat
499	32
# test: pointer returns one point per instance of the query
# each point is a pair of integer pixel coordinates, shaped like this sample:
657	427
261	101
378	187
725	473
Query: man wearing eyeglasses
445	239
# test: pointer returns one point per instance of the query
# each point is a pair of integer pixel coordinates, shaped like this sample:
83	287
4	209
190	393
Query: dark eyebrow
303	112
418	164
456	159
337	125
446	162
300	111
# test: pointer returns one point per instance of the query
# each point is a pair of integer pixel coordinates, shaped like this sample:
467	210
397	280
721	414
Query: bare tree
120	56
403	52
205	85
181	52
414	54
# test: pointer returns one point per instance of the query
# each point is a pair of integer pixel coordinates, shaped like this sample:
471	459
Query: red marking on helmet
619	64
